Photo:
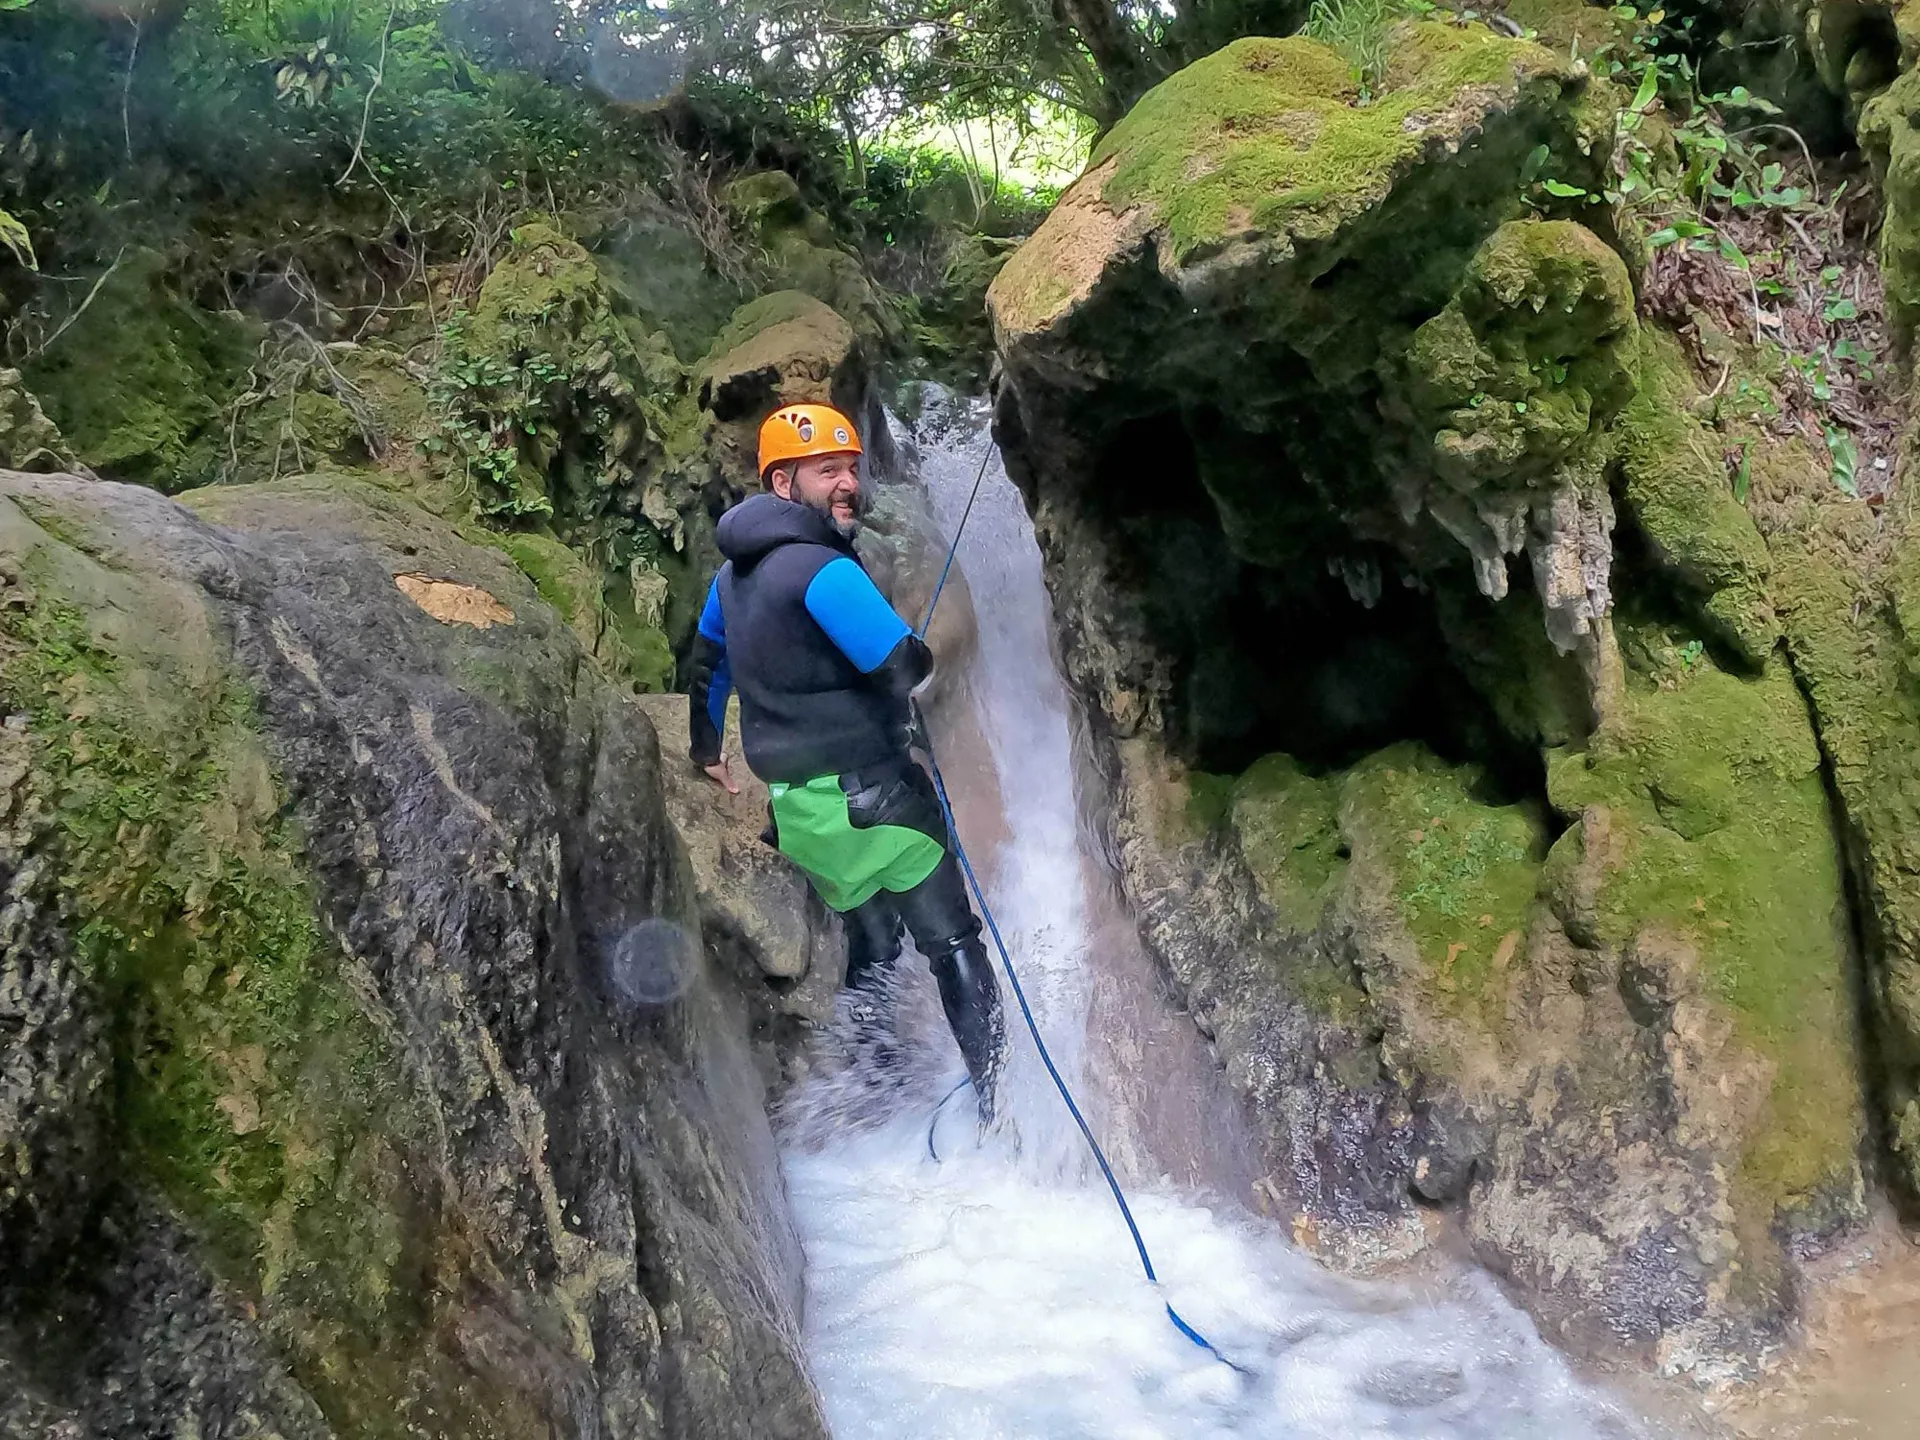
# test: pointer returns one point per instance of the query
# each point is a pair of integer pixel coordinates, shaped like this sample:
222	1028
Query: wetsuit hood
761	524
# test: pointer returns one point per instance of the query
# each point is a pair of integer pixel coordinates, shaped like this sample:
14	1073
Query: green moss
607	628
1288	826
799	251
1539	696
1268	134
544	275
1209	800
951	329
286	435
648	653
1677	488
1529	360
553	412
1719	835
1467	871
1570	26
560	576
142	376
255	1093
659	271
1888	135
766	198
1849	630
755	318
399	404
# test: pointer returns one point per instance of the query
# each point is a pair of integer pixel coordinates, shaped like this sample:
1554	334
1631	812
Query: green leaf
1846	460
1562	189
1659	239
14	236
1743	475
1649	87
1841	309
1536	158
1772	175
1831	273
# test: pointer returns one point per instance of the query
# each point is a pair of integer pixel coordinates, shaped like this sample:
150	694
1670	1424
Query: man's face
827	483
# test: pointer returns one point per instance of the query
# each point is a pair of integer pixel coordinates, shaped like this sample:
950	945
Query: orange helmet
794	432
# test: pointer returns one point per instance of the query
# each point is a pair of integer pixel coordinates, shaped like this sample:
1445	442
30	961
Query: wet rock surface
319	1114
1474	815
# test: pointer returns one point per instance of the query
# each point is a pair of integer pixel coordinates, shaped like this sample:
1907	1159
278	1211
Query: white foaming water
995	1294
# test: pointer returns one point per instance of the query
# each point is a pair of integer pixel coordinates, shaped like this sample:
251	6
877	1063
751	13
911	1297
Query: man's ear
780	481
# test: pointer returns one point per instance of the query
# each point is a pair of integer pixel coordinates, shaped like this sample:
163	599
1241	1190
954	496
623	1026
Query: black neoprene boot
874	933
971	998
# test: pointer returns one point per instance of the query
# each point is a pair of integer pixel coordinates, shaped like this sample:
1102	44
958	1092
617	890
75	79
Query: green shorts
848	863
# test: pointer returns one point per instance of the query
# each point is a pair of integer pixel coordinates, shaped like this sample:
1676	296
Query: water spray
1013	978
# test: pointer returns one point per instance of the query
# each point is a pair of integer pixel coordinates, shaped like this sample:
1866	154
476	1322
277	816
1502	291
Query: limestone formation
1495	857
365	1069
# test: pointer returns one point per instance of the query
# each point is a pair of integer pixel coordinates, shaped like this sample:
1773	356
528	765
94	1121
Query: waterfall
994	1292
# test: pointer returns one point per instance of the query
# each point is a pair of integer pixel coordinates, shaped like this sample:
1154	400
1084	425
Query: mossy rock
1529	361
1466	869
1311	293
779	349
557	410
1888	135
256	1095
1678	489
28	440
659	271
316	821
1266	143
1288	825
951	329
1845	581
291	435
1719	838
142	377
631	649
1573	26
799	251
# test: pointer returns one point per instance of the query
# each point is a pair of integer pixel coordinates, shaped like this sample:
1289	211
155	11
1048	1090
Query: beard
848	528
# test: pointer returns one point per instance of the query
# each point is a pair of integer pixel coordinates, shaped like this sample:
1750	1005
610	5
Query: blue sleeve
713	675
847	605
713	620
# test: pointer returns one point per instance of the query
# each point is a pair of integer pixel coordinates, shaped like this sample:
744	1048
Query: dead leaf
1503	952
242	1112
251	1061
1454	952
452	603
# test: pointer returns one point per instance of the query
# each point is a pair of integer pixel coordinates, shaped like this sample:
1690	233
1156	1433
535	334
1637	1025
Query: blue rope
1019	991
1059	1082
933	1124
958	530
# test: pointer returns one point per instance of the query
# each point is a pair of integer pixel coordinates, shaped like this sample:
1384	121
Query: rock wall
363	1069
1456	771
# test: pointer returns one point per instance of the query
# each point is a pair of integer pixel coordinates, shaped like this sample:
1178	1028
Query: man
824	668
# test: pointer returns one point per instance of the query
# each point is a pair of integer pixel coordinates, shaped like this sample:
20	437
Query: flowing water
993	1293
